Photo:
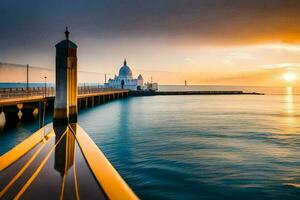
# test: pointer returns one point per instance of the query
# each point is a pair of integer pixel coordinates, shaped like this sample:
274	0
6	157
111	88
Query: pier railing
7	93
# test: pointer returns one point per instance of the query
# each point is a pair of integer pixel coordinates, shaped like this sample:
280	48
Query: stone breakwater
152	93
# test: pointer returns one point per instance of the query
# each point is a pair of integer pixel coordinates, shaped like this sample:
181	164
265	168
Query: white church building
125	80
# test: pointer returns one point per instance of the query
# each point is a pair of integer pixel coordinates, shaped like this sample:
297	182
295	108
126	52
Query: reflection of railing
6	93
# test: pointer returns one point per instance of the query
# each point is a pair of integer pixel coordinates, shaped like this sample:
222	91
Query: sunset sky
219	42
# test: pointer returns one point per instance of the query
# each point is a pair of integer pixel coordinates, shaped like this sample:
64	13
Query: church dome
140	77
125	71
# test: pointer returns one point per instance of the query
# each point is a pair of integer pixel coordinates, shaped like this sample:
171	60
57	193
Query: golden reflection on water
290	117
289	107
289	101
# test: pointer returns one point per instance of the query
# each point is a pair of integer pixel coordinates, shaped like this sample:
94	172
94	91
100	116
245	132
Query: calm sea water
197	147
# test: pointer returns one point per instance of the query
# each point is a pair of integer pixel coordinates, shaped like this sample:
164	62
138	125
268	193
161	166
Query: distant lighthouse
65	107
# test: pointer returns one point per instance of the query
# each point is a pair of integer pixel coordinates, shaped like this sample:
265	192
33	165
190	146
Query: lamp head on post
67	33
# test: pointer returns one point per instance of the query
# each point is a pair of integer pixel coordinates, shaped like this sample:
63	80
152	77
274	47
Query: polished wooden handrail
18	151
110	180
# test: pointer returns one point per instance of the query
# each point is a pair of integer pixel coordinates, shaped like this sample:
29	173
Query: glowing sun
289	77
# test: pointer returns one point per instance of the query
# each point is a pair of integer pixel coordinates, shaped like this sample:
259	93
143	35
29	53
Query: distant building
125	80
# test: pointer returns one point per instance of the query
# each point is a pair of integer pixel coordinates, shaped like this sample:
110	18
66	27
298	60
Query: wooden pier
27	104
12	96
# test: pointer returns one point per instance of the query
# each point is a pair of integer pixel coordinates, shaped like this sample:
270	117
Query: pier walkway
26	104
13	96
60	163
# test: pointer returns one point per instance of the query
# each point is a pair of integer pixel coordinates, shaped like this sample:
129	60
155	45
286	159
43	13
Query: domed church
125	80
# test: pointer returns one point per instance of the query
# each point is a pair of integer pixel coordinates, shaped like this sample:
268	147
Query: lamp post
45	86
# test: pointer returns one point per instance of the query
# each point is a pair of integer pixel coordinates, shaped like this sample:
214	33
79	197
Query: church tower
65	106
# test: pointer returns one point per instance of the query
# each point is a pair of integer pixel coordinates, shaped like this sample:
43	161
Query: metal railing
7	93
92	89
